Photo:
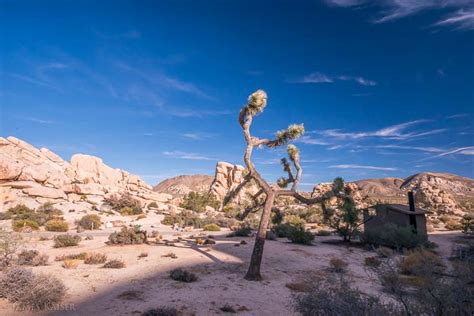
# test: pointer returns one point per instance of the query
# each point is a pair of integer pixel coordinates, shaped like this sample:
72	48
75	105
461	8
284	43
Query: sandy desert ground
93	290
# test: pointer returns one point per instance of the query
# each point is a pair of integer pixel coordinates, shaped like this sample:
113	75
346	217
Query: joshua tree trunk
253	273
255	105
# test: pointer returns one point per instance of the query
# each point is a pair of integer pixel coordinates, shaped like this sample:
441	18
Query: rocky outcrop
181	185
33	176
227	177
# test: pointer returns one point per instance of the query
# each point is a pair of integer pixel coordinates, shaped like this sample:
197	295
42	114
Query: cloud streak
186	155
363	167
318	77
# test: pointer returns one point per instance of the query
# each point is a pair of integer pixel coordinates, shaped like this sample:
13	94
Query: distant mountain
381	187
181	185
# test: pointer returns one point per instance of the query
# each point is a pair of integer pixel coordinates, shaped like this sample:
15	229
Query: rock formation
181	185
34	176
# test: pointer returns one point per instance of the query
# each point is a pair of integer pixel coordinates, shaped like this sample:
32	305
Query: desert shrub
95	258
345	219
227	308
372	262
183	275
152	205
171	255
337	298
56	225
283	230
14	282
29	291
161	311
126	211
119	202
90	222
467	223
211	228
393	236
128	236
18	210
299	235
66	240
70	263
270	235
49	209
9	245
169	220
242	231
231	211
453	224
338	265
143	255
420	260
22	224
31	258
322	232
197	202
114	264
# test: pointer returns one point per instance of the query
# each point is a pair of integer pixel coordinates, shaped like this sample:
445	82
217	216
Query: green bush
197	202
56	225
49	209
243	231
66	240
128	236
283	230
161	311
393	236
169	220
298	235
468	223
91	222
21	224
211	228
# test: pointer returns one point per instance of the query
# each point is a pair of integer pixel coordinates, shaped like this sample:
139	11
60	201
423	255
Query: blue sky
154	87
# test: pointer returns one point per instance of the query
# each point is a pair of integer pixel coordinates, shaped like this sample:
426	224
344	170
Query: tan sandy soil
93	290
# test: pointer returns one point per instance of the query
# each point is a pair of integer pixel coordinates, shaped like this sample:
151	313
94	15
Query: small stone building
378	215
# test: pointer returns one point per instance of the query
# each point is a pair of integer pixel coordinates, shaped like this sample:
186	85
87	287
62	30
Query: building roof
405	209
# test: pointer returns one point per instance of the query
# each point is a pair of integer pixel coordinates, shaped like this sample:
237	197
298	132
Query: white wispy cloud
390	132
198	135
311	141
35	120
456	116
363	167
186	155
418	148
460	15
469	151
462	19
318	77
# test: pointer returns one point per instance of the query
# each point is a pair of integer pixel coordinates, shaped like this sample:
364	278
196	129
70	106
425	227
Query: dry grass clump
70	263
300	287
372	262
143	255
95	258
24	225
183	275
31	258
338	265
227	308
9	245
114	264
131	295
29	291
66	240
56	225
420	260
211	228
161	311
76	256
171	255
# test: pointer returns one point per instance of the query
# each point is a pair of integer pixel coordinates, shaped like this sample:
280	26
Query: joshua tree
255	105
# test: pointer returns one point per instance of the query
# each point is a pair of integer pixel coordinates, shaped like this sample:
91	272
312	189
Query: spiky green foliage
293	152
282	182
338	184
291	133
257	102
